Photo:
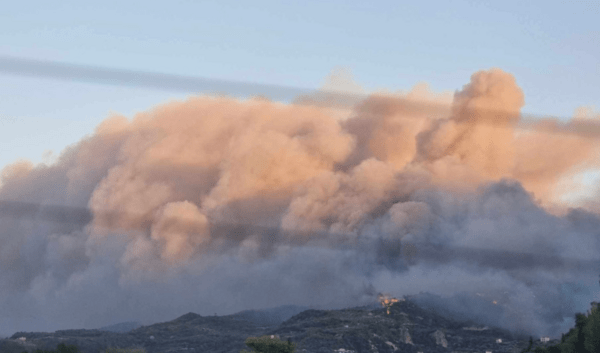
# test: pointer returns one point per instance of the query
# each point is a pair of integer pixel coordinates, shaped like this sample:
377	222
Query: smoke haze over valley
218	204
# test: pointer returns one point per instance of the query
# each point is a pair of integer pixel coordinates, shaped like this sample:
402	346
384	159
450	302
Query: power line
92	74
410	252
170	82
301	96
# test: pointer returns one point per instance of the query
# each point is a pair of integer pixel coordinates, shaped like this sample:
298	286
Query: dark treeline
583	338
61	348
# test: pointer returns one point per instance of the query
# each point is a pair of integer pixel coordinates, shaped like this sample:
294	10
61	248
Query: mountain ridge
405	327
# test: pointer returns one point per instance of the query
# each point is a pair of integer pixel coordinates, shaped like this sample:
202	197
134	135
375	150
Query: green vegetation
583	338
269	344
61	348
528	349
125	350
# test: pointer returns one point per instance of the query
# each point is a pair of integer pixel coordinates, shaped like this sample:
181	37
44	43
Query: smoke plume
215	204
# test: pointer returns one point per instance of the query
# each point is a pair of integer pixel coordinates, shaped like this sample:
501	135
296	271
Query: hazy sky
551	47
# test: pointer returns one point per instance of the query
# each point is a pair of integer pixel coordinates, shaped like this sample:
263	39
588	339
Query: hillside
407	328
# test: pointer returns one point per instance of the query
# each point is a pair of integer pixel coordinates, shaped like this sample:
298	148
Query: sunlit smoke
216	204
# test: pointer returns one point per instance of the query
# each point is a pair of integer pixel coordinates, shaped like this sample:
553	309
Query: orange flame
387	301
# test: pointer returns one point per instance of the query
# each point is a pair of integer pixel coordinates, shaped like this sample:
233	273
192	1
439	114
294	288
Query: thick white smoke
217	205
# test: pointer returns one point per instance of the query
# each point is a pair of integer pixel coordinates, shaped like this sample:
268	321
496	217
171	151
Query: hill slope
407	328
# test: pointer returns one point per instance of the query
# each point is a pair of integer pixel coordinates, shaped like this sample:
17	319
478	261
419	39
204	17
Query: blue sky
552	48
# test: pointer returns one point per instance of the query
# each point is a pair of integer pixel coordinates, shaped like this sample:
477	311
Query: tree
61	348
269	344
125	350
583	338
591	330
528	349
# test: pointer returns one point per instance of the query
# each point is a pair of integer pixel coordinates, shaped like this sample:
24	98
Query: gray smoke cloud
215	205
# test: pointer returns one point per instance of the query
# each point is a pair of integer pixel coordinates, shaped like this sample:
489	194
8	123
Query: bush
61	348
125	350
269	344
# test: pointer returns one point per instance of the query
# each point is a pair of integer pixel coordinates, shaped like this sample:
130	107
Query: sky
551	47
342	198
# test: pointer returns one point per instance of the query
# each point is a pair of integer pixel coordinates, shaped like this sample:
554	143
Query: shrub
269	344
61	348
125	350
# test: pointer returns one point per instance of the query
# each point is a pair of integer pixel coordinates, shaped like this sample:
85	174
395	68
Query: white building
545	339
